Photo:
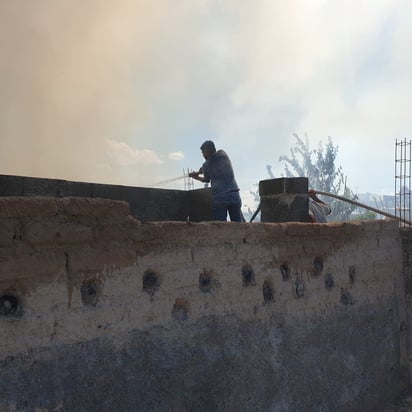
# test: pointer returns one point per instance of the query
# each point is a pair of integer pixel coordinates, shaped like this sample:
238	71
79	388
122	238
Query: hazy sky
125	91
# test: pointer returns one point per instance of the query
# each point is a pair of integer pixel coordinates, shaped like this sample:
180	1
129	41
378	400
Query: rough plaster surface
113	314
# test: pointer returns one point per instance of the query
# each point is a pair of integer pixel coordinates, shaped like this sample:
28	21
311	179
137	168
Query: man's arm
312	194
195	175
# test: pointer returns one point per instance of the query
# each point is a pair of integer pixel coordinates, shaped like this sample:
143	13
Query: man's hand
195	175
312	194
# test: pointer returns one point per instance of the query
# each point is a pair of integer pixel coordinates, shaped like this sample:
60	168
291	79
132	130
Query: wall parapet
312	314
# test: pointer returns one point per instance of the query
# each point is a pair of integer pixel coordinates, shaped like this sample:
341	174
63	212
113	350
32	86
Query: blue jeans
224	203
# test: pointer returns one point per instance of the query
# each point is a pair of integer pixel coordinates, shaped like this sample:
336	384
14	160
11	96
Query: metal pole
354	202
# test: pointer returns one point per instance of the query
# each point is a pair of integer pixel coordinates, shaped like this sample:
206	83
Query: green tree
367	215
319	166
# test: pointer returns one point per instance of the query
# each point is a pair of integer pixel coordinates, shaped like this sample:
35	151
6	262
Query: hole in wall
268	292
151	282
345	297
299	288
284	270
180	309
208	282
248	276
352	274
317	266
10	305
329	281
205	282
90	292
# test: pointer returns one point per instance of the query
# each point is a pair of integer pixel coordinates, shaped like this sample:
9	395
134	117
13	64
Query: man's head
208	149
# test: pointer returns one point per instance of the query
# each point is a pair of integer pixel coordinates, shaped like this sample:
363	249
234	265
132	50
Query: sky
126	91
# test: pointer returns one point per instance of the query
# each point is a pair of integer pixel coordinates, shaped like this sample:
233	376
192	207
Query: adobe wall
146	204
406	235
100	312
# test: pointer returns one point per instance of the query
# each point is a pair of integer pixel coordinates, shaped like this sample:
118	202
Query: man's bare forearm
196	176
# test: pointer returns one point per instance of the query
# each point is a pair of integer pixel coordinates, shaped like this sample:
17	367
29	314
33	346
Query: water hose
168	181
354	202
362	205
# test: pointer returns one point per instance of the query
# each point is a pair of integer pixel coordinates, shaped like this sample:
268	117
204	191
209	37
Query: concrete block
284	208
151	212
291	185
11	185
166	205
67	188
137	194
148	204
166	196
139	211
41	187
172	211
199	205
115	192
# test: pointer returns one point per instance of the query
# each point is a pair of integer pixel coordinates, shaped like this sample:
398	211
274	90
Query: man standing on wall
218	170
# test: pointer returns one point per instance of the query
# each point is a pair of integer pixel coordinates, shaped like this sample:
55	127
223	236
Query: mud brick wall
406	234
101	312
146	204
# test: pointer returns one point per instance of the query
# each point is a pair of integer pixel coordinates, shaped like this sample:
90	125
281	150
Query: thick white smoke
126	91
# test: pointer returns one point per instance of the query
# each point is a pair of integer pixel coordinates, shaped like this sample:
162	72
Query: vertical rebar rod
403	172
403	189
402	184
396	176
409	182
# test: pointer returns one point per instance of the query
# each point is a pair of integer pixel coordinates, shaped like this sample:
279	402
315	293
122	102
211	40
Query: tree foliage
316	164
319	166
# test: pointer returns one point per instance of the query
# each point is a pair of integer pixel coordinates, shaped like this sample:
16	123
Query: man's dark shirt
218	170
